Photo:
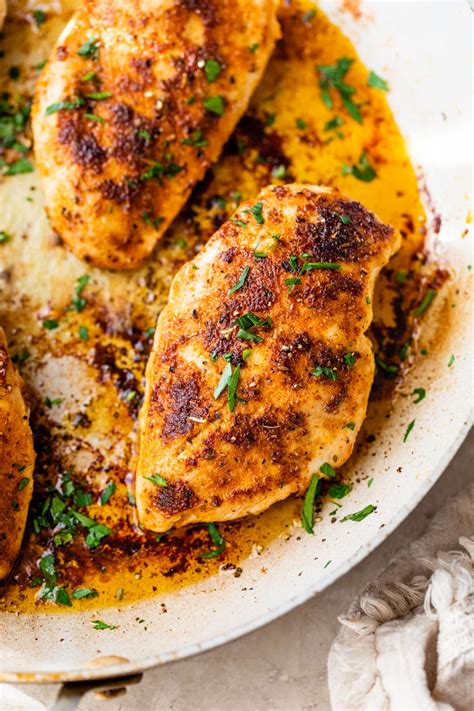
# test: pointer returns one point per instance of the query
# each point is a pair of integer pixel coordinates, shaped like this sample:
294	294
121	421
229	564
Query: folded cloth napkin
408	641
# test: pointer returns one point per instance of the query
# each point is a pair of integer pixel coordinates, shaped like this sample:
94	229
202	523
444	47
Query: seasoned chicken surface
17	460
136	101
261	370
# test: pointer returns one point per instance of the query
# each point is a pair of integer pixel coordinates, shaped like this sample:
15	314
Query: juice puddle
85	378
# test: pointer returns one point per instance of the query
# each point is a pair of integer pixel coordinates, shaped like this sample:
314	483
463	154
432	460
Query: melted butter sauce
99	381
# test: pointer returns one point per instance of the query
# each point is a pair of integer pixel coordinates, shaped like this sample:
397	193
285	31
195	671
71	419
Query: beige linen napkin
407	643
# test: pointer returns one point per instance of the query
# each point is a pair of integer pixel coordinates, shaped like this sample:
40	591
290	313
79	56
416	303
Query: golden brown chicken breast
261	369
136	101
17	460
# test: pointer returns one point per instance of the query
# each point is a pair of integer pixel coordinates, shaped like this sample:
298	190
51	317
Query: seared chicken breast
17	460
261	368
136	101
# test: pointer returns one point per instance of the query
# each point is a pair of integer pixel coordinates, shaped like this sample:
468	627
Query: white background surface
281	667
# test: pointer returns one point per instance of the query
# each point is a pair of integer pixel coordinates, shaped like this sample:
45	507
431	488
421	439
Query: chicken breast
261	370
136	101
17	460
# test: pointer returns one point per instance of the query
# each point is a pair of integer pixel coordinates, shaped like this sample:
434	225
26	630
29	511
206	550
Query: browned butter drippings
86	391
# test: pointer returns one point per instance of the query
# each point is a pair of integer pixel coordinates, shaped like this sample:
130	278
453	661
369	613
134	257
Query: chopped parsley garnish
279	172
339	491
232	389
257	211
309	266
107	493
308	16
50	324
51	403
18	167
78	303
94	117
79	593
196	140
90	48
377	82
420	395
350	359
39	17
248	321
345	219
253	47
401	276
408	430
290	283
349	426
4	237
389	368
99	625
239	223
323	370
333	123
51	590
21	357
360	515
332	77
215	105
301	124
240	283
246	353
89	76
307	512
157	479
155	222
223	382
95	531
362	170
328	470
212	69
427	299
83	333
99	95
218	541
270	119
370	482
451	360
157	171
24	482
60	105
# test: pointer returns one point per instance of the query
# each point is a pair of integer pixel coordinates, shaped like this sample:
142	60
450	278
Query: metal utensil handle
71	692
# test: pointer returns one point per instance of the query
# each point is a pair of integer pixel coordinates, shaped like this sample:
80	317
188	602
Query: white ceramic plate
423	48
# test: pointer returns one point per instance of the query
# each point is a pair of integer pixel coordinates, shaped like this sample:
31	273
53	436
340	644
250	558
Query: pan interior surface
275	565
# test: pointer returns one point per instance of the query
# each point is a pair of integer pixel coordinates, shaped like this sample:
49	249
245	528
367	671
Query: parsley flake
90	48
240	283
328	470
307	512
157	479
328	373
212	69
377	82
360	515
218	541
215	105
408	430
333	77
420	395
362	170
100	625
427	299
257	211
